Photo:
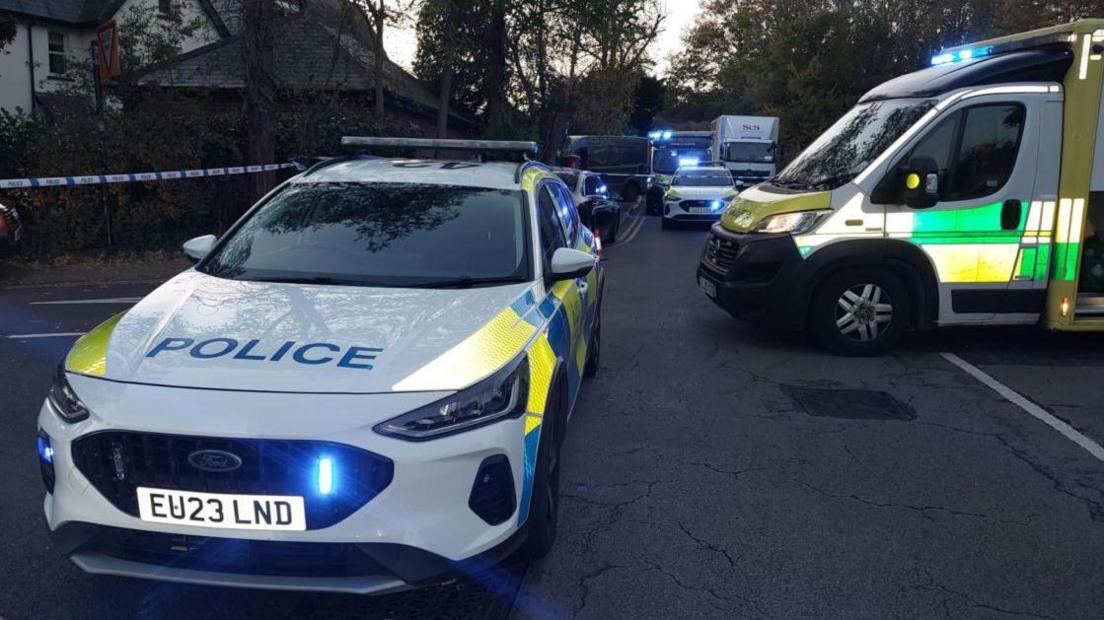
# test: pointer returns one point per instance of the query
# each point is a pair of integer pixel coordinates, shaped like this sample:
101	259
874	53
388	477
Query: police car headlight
64	400
503	395
793	223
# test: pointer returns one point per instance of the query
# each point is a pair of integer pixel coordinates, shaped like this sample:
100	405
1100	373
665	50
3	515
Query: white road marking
106	300
1036	411
53	335
634	228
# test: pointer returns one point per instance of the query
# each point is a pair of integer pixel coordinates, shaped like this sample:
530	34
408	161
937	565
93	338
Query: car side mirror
568	264
920	183
195	249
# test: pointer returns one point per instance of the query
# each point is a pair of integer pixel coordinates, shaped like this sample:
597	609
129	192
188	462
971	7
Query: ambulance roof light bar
512	146
1055	35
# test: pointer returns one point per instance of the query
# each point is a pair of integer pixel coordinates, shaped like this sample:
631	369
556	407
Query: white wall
15	75
15	82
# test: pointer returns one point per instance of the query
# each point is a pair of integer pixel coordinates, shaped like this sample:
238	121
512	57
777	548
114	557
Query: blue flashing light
325	476
45	450
667	135
961	55
688	162
716	204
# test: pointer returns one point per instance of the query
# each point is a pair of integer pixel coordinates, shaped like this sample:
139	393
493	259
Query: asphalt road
713	469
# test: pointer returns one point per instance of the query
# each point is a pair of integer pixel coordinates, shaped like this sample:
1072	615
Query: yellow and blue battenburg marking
546	326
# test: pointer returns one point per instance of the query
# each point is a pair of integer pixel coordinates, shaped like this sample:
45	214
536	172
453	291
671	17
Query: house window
57	52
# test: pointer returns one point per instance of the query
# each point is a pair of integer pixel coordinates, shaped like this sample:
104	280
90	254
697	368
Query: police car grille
118	462
720	253
694	204
229	555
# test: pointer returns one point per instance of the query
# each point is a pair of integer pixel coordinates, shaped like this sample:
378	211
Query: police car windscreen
702	178
380	234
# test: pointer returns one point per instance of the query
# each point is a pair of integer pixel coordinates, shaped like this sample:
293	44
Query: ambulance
970	192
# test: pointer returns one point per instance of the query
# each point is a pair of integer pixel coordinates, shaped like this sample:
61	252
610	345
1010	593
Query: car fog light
46	460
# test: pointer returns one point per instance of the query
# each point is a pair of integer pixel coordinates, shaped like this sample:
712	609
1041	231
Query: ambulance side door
987	149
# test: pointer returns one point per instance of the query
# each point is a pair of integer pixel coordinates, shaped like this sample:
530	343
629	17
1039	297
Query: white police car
363	386
697	194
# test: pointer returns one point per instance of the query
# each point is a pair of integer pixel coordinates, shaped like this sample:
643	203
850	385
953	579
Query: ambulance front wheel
860	312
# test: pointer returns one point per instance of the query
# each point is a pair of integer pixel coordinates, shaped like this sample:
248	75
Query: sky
402	43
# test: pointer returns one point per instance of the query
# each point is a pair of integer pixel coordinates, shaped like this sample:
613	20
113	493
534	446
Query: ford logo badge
214	460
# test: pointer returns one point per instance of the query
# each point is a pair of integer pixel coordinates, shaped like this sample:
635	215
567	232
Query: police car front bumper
705	210
421	527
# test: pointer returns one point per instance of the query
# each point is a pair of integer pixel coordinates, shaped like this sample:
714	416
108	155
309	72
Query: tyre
860	312
545	503
610	236
630	193
595	349
667	224
609	232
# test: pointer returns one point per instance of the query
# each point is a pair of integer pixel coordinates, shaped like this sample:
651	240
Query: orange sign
107	45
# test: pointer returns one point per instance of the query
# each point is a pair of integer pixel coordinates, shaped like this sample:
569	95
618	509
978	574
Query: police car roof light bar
514	146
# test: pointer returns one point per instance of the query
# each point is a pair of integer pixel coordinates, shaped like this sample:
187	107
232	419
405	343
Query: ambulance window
938	144
551	229
987	153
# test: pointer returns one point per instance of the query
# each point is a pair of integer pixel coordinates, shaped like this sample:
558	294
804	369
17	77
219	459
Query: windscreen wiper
468	282
314	280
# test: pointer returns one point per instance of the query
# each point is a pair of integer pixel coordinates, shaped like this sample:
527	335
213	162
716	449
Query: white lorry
748	146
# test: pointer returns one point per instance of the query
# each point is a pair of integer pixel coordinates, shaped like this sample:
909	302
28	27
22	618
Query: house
321	46
53	34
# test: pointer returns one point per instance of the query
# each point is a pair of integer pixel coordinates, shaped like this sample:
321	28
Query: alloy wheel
864	312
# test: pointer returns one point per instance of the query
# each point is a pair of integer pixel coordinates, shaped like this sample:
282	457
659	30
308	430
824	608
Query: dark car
11	230
592	199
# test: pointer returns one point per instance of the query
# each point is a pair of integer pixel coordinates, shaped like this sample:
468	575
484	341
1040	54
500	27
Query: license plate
708	287
239	512
700	210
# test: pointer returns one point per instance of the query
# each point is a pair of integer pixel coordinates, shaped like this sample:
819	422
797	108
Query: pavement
713	469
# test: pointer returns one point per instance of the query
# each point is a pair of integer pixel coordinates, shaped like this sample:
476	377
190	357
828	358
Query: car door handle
1011	214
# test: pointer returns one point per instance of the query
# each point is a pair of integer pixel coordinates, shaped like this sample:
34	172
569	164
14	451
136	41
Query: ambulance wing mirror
920	183
196	249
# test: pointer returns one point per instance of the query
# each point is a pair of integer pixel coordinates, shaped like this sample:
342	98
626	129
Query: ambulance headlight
793	223
64	400
504	394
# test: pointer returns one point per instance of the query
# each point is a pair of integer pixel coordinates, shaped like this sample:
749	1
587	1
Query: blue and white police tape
138	177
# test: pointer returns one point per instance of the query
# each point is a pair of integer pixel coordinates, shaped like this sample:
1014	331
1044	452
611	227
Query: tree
7	31
260	89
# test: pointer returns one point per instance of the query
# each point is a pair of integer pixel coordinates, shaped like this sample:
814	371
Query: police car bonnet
200	331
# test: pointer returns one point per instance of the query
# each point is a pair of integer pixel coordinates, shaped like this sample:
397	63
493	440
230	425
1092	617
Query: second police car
363	386
698	193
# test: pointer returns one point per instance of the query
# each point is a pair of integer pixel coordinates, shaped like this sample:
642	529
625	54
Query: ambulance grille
118	462
720	253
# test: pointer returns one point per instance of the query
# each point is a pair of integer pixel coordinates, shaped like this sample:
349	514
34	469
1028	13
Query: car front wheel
544	505
860	312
